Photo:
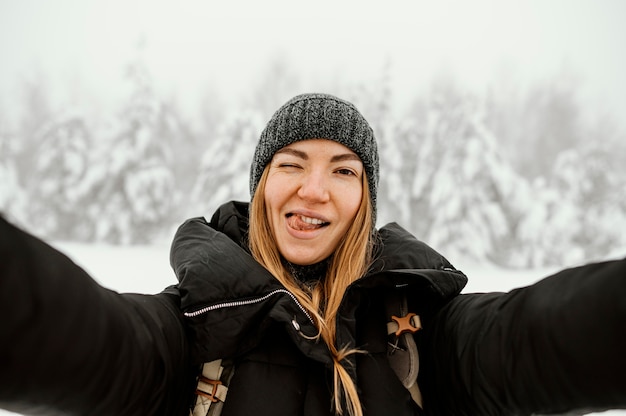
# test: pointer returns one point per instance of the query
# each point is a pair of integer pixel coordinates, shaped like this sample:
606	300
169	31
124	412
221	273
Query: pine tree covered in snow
588	179
36	113
225	167
533	128
468	192
57	187
12	199
134	186
274	83
375	102
578	211
544	234
395	204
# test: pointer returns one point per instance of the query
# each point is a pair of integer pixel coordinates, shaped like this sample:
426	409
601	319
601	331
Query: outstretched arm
68	345
556	346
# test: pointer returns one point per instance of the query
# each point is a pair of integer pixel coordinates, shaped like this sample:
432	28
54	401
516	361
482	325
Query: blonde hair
349	262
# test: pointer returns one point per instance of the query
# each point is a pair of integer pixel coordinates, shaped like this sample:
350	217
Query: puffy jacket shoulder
399	249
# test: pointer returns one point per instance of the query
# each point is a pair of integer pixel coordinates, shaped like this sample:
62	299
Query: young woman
295	304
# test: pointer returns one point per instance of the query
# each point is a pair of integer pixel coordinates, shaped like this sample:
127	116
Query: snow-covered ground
145	269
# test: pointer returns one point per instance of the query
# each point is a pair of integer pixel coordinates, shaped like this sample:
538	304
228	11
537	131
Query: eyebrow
293	152
304	156
345	156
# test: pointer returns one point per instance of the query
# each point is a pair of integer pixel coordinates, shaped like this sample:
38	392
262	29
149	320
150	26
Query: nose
314	187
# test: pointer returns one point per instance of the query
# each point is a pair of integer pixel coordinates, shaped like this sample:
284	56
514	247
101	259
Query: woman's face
312	194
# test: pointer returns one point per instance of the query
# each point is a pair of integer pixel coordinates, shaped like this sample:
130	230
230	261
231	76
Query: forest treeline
518	178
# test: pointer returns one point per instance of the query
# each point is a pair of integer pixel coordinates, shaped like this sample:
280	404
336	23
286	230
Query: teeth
309	220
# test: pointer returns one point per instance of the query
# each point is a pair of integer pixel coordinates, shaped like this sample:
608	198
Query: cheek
271	208
273	193
351	201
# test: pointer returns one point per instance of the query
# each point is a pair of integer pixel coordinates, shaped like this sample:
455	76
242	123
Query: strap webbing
402	352
211	390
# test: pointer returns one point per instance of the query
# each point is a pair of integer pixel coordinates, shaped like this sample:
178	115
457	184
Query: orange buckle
210	396
406	324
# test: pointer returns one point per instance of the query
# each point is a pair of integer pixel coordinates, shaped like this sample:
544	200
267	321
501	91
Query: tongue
296	223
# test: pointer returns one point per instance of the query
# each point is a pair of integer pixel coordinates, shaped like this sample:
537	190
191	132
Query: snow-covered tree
535	125
376	101
225	168
56	187
465	197
543	235
589	178
135	188
578	212
12	198
274	84
34	114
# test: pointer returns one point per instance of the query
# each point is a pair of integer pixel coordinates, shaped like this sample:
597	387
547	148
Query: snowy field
145	269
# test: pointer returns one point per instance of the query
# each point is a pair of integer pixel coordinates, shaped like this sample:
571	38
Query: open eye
346	171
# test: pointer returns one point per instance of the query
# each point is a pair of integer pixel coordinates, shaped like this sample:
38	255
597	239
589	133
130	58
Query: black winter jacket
69	346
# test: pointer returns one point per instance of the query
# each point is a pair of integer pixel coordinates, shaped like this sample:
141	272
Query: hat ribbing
318	116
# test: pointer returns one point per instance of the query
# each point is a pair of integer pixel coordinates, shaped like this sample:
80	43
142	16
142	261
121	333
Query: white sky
83	45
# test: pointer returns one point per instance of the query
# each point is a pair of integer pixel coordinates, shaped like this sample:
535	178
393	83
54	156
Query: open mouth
304	223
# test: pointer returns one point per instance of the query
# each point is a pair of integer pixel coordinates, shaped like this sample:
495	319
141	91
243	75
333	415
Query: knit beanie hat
318	116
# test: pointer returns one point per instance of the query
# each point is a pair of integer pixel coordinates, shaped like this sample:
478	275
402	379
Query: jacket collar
398	253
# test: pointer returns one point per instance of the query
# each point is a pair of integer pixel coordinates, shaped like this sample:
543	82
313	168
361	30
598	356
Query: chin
303	259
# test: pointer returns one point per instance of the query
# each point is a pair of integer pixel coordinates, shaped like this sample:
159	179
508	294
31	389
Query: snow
133	268
145	269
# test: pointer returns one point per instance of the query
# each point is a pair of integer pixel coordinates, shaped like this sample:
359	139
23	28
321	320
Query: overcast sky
83	45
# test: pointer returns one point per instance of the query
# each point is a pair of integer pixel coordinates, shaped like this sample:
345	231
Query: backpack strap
402	349
212	388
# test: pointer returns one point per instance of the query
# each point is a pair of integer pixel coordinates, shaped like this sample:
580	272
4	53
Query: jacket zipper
253	301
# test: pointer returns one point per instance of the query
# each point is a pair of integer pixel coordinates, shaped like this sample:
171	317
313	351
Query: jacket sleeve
70	346
556	346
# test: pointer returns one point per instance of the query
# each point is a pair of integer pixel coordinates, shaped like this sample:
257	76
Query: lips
304	223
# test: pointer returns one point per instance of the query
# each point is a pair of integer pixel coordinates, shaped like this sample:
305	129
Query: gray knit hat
317	116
